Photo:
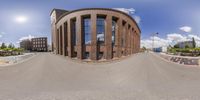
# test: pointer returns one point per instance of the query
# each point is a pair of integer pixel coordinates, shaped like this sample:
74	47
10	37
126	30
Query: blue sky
175	20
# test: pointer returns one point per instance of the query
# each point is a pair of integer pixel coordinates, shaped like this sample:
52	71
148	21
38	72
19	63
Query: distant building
185	44
26	45
35	44
39	44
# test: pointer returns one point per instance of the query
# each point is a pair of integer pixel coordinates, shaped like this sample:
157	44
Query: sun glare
21	19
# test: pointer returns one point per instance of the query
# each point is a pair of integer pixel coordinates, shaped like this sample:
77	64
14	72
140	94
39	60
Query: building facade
94	33
35	44
39	44
186	44
26	45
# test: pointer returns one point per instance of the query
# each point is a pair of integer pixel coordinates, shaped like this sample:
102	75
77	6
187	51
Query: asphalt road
140	77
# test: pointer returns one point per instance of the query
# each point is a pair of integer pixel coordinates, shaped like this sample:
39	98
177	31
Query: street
139	77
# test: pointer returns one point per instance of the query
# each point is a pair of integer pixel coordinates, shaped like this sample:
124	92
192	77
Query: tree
176	46
144	48
193	43
11	46
3	46
187	46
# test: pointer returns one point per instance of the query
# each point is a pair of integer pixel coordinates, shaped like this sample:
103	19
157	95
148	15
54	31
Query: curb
181	60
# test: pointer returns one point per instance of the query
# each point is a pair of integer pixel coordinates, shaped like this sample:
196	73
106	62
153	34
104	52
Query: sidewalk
185	60
14	59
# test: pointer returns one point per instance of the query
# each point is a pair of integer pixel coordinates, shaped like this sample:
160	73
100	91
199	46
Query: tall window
123	34
100	30
113	32
74	32
87	30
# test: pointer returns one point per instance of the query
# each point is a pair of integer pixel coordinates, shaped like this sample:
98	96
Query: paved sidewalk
8	60
185	60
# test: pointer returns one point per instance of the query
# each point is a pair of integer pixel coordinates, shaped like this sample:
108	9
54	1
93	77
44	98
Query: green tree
193	43
3	46
144	48
176	46
187	46
11	46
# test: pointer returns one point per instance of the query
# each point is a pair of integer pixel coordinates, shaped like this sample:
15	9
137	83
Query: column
139	41
126	37
129	40
108	38
93	50
69	38
63	40
80	38
57	41
118	37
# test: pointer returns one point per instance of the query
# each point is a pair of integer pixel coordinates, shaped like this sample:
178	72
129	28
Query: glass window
87	30
123	36
74	32
113	31
100	30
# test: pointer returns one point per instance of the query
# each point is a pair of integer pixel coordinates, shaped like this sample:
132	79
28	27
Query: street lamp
153	35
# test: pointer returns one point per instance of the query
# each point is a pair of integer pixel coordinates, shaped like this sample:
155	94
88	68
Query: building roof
65	12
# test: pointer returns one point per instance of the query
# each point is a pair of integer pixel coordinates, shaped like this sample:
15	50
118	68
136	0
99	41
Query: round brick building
94	33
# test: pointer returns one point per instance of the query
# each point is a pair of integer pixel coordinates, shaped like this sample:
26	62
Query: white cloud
126	10
175	37
1	34
158	42
130	11
187	29
171	39
137	19
26	37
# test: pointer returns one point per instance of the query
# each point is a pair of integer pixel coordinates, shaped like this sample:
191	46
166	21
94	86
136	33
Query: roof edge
66	13
57	9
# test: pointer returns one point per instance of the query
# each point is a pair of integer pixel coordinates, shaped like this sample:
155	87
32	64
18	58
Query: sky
174	20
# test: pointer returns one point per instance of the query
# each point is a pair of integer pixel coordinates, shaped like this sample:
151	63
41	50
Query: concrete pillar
139	42
129	39
69	38
108	37
126	41
132	42
93	51
135	43
135	40
118	38
63	40
80	38
57	41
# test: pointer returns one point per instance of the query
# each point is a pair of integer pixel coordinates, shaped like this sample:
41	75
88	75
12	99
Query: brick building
26	45
35	44
94	33
39	44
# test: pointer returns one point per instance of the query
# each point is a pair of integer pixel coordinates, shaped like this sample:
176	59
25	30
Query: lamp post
153	35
